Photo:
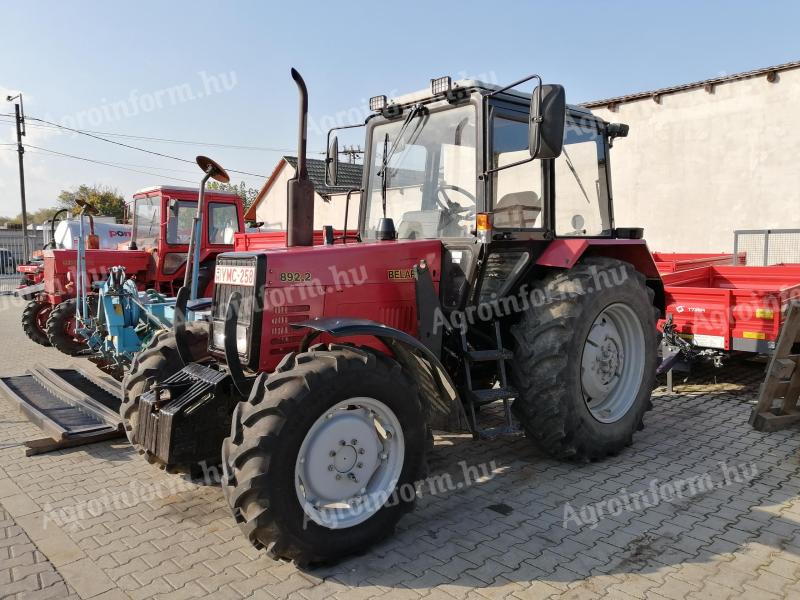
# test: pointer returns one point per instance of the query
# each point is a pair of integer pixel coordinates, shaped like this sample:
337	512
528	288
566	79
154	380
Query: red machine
729	308
162	222
669	262
487	268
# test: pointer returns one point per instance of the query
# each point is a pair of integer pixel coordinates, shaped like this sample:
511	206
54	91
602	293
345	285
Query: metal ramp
72	407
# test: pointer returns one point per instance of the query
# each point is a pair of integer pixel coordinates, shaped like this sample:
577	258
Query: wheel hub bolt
342	443
360	465
361	451
354	442
332	453
330	467
338	477
384	456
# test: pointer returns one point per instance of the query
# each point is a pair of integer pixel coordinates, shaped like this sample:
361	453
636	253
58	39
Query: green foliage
107	200
248	195
36	217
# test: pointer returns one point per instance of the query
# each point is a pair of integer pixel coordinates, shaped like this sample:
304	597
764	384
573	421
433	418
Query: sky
209	73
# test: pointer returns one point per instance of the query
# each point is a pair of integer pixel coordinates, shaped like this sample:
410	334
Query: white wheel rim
349	463
612	364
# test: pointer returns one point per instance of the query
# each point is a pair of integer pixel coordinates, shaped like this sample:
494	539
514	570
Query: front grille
250	307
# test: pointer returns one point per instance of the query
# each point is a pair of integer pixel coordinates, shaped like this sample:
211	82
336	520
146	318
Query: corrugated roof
349	175
694	85
349	178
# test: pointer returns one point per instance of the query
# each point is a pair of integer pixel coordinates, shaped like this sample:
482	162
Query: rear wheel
61	329
156	364
34	321
585	360
323	456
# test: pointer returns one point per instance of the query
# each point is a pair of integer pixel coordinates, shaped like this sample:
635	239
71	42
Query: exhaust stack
300	203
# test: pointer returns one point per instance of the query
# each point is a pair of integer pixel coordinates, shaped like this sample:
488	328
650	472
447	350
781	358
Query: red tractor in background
487	268
155	256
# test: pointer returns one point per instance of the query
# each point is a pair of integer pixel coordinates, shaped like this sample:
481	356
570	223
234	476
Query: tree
247	194
107	200
36	217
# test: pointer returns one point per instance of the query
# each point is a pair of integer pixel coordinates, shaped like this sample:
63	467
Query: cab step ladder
480	397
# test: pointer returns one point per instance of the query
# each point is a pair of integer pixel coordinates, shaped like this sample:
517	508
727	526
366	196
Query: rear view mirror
547	116
332	162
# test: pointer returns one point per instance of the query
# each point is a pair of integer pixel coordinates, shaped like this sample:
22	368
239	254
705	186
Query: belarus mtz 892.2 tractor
487	268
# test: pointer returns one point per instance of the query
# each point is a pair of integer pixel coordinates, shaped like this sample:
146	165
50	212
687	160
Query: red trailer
669	262
730	308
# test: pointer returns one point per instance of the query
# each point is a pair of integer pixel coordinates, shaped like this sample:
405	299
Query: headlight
241	337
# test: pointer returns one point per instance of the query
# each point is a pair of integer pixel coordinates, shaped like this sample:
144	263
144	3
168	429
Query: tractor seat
518	209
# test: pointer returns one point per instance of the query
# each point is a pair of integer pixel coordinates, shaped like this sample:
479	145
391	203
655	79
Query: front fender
443	407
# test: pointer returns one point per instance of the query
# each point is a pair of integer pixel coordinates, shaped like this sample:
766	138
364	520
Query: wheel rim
612	363
41	318
349	463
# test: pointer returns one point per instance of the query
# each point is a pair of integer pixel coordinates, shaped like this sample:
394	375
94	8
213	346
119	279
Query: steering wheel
451	207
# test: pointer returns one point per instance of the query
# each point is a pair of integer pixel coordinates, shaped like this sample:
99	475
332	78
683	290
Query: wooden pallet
777	398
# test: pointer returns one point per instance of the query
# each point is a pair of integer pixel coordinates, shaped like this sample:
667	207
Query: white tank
110	234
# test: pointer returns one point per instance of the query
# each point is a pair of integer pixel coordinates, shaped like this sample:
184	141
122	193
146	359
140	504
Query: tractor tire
585	360
157	363
324	404
61	329
34	321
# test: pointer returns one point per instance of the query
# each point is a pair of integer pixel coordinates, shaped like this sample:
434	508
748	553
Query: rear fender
564	253
442	404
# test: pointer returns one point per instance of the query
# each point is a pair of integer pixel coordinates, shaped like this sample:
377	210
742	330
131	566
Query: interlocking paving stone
152	535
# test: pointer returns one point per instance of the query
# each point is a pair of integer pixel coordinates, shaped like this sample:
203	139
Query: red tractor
162	223
487	268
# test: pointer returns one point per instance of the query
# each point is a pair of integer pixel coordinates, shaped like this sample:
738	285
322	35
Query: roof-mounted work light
377	103
441	85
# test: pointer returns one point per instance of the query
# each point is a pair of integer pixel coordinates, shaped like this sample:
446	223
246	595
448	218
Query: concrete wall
272	209
699	165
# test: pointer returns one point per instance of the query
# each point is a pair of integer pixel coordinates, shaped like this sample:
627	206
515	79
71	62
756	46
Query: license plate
235	275
709	341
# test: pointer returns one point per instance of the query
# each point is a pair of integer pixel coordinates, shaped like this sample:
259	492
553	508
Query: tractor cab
162	226
495	174
435	159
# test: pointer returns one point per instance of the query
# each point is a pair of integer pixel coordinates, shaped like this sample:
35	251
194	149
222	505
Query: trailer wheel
157	363
323	456
585	360
61	329
34	321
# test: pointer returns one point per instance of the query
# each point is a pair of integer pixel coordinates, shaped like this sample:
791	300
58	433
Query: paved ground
699	507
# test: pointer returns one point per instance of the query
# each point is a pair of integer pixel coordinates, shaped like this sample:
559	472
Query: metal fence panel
12	253
765	247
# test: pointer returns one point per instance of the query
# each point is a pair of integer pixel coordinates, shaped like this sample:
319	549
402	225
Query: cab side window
517	190
223	222
581	188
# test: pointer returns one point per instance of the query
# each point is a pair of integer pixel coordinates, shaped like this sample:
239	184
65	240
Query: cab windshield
430	178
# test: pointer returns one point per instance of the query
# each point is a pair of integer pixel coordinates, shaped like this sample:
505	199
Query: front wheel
323	456
61	329
585	360
34	321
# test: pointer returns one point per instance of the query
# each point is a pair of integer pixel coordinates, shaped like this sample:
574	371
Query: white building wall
272	209
699	165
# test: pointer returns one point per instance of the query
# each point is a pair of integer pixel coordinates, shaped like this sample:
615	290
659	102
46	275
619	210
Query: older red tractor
156	255
487	268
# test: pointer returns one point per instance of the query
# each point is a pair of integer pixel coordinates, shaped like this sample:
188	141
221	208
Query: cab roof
474	84
178	188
